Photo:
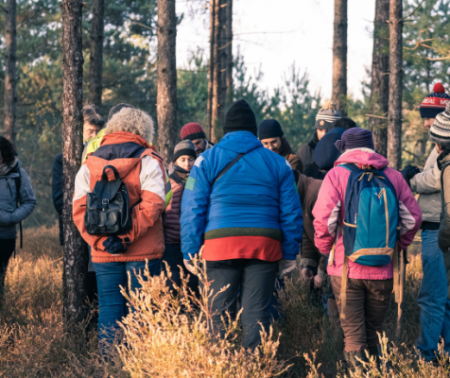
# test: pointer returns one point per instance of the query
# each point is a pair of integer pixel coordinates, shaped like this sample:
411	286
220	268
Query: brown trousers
366	306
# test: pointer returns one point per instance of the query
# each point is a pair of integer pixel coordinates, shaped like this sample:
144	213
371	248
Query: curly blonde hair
133	121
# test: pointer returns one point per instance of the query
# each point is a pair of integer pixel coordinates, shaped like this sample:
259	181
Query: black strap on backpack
18	181
228	166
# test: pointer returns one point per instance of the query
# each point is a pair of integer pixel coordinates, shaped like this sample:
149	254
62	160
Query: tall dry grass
167	335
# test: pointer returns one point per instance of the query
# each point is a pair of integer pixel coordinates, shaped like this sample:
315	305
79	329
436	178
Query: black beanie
269	128
240	117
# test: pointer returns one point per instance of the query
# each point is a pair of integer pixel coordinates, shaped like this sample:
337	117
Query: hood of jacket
443	158
362	157
314	140
285	149
240	142
122	149
5	170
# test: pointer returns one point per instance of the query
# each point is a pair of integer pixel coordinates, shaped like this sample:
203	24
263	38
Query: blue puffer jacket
253	211
10	214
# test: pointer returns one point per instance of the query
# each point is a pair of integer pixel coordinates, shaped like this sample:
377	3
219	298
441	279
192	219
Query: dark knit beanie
326	116
435	102
185	147
355	138
269	128
440	129
240	117
192	131
326	153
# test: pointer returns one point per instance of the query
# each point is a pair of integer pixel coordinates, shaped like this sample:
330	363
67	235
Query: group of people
248	206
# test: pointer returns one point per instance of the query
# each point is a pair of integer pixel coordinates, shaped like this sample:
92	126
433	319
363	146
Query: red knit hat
435	102
192	131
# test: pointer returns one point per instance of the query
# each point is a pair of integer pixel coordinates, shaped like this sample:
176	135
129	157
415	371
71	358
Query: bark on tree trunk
212	17
379	97
75	252
167	78
394	154
229	29
10	72
96	62
218	68
339	92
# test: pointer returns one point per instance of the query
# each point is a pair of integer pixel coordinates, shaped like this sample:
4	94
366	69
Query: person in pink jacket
369	288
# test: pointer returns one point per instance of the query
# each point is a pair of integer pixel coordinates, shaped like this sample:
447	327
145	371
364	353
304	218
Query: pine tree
379	97
75	251
339	91
96	62
10	72
394	152
167	78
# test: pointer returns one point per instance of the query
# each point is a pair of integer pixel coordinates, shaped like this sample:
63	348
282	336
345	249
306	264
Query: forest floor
33	342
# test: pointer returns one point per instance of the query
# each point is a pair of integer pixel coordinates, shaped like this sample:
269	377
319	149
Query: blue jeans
433	301
111	303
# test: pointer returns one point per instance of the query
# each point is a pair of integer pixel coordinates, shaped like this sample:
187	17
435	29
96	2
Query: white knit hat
440	129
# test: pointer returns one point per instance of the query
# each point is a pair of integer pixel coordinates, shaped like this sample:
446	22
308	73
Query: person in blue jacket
17	201
241	203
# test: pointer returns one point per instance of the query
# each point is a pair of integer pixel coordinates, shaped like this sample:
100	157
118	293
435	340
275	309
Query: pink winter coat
329	214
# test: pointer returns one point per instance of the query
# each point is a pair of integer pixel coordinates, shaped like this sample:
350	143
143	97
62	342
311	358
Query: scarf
5	169
181	173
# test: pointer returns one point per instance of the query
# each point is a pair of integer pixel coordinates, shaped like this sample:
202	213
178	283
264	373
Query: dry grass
168	334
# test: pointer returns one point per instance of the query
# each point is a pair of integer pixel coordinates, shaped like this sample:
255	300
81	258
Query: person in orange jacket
126	147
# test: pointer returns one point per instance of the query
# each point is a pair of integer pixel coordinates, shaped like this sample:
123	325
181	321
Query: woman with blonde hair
124	154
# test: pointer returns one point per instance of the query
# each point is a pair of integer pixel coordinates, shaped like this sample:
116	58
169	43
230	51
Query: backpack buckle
105	201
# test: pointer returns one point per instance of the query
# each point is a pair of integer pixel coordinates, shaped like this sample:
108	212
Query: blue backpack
371	217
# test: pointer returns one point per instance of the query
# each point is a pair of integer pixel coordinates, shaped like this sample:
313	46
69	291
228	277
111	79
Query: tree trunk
96	63
394	154
218	68
379	98
167	78
10	72
75	252
229	29
339	92
212	17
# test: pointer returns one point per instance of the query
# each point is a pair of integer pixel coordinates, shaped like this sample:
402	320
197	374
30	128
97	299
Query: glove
189	265
114	245
285	267
409	172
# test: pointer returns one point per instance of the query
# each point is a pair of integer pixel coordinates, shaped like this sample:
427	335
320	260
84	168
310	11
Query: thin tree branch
414	11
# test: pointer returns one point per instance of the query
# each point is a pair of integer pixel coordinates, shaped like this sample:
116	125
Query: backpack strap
229	166
344	281
18	182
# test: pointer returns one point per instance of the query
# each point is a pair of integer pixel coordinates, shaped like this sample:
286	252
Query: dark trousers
174	259
255	280
7	247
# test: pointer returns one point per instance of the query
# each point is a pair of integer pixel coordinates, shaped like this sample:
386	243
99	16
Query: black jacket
57	191
305	154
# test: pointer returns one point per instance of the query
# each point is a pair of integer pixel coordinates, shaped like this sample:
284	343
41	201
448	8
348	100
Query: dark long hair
7	151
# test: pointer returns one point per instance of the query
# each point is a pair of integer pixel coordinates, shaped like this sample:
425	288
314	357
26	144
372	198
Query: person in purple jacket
183	160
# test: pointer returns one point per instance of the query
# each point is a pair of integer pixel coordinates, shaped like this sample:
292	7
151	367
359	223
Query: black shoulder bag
108	207
228	166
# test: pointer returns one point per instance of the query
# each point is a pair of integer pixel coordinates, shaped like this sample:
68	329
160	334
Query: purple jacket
329	214
171	216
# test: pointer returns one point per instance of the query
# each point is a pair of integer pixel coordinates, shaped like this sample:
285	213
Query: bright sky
274	34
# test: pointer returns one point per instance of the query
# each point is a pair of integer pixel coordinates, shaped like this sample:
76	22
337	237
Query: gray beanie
326	116
440	129
185	147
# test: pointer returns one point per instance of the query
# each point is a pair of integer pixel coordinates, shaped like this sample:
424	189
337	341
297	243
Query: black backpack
108	207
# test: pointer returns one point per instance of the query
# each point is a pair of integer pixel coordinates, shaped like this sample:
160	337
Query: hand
189	265
307	273
318	281
114	245
285	267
